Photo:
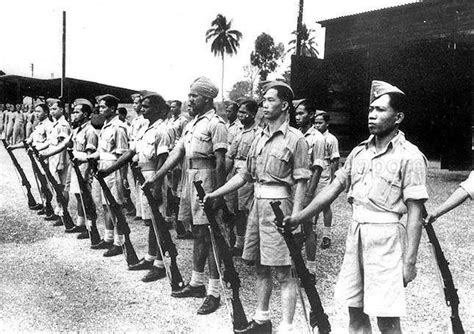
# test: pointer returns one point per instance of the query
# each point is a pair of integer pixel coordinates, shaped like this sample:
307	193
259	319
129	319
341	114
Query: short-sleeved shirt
384	181
113	138
233	129
316	144
178	126
331	150
59	131
137	123
204	135
278	158
85	138
468	185
239	149
151	142
41	131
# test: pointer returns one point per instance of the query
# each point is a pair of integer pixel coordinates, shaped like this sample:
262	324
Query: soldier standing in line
385	177
58	163
183	229
137	124
277	162
151	145
304	113
236	161
113	142
84	141
2	119
330	166
203	147
10	121
30	117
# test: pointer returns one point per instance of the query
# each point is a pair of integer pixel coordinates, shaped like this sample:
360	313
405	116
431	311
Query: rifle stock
162	233
24	180
239	319
317	315
58	189
450	291
121	222
48	196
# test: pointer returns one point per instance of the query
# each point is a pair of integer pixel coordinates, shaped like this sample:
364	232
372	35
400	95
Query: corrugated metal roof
405	4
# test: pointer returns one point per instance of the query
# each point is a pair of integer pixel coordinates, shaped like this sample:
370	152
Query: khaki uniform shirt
232	130
85	139
151	142
278	158
137	123
60	130
178	126
384	181
203	136
316	143
240	146
113	139
41	131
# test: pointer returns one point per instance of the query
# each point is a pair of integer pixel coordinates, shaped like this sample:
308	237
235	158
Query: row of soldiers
248	168
17	121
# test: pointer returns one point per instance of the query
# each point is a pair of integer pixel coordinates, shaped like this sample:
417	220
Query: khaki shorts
115	183
263	242
189	208
371	275
74	187
61	177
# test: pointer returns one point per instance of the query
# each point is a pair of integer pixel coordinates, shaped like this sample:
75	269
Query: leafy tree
240	89
266	55
308	44
224	41
251	73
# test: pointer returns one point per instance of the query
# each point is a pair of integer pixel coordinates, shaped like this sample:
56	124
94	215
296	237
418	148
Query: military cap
51	100
296	103
146	94
266	85
101	97
320	113
135	95
205	87
380	88
83	101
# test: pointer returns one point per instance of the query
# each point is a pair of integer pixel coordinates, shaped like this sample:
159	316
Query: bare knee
389	325
283	274
359	322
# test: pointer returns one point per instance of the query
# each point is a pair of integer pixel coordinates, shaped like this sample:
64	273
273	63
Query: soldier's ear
400	118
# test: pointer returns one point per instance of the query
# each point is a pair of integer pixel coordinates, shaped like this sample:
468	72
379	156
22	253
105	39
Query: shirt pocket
202	144
81	143
243	150
108	142
278	163
149	148
386	190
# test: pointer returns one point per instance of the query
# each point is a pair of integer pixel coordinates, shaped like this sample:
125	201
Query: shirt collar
283	129
399	137
207	115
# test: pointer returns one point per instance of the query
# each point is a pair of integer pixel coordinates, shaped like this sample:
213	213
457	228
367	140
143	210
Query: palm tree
224	41
308	44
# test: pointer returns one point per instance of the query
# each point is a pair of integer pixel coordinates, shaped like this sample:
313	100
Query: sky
155	45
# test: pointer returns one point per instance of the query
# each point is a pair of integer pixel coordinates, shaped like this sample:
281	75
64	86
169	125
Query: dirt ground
50	281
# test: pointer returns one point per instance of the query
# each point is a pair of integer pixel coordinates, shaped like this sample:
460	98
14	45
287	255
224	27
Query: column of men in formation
17	121
245	166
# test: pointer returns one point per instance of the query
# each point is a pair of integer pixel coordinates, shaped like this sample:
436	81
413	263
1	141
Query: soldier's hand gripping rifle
230	276
58	189
48	196
448	288
317	315
120	220
162	234
87	202
24	180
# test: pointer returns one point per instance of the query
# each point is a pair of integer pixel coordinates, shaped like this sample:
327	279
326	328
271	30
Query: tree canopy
266	55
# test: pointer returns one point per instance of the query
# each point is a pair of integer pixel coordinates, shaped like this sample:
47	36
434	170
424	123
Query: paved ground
50	281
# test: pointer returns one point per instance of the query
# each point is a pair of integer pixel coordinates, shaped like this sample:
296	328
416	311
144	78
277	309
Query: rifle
449	290
24	180
120	221
317	315
48	196
58	189
87	202
239	320
163	236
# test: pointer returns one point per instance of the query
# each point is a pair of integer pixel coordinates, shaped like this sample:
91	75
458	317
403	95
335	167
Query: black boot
95	236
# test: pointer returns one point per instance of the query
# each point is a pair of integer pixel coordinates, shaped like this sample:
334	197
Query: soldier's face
175	108
147	109
302	116
273	107
55	111
231	112
320	124
40	114
136	104
244	116
105	110
77	115
197	102
383	119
